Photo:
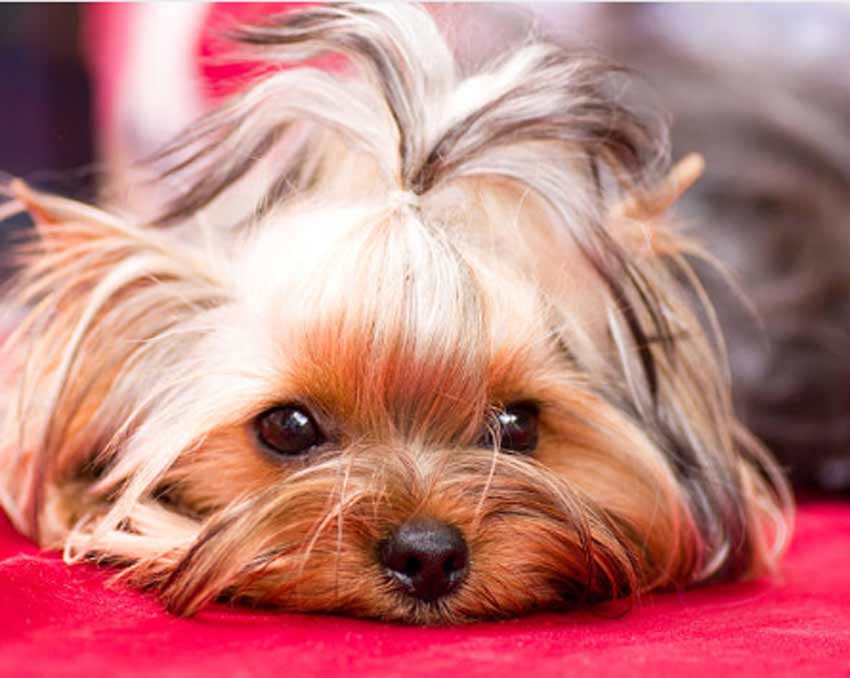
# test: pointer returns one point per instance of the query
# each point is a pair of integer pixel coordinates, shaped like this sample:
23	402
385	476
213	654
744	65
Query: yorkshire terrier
406	343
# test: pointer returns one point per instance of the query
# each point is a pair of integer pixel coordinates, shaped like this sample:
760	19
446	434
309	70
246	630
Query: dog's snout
426	557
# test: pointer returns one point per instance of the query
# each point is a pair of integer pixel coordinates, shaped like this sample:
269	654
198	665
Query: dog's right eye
515	428
288	430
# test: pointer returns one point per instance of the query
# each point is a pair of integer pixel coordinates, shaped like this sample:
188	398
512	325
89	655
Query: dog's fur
773	121
426	248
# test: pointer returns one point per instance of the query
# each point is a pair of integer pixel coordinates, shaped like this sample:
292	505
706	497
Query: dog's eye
516	428
288	430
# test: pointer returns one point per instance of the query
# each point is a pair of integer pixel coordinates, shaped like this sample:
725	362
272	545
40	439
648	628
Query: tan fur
451	247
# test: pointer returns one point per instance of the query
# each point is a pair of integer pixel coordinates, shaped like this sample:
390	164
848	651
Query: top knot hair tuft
402	103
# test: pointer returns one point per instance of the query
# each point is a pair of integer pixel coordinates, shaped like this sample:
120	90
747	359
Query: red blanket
60	620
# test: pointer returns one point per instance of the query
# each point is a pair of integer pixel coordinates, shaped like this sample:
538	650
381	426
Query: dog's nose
428	558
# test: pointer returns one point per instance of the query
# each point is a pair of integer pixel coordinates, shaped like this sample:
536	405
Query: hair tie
399	199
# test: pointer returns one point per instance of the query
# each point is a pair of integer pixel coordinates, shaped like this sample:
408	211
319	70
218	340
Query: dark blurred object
763	92
45	116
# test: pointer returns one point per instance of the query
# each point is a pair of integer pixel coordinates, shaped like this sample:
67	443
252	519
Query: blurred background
761	90
45	116
46	94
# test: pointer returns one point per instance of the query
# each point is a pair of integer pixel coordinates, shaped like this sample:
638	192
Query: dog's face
469	394
402	427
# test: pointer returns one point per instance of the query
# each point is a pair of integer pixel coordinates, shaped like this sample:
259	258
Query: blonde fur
403	248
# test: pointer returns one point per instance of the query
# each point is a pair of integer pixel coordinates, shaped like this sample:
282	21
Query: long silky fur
466	256
773	207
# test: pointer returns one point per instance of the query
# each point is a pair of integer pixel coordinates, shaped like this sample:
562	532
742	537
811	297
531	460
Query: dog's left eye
515	427
288	430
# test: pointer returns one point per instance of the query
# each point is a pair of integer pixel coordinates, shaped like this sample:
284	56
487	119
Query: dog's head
405	344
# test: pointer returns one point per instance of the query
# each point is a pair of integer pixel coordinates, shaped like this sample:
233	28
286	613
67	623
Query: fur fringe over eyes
402	247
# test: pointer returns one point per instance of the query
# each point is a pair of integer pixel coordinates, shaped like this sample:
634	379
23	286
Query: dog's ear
656	201
24	196
60	223
641	222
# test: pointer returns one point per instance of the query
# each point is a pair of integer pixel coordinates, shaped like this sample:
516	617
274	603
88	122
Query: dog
403	343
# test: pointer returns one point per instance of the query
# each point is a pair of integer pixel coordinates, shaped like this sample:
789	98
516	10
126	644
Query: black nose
426	557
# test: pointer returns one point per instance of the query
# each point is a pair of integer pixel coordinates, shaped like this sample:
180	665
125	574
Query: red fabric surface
61	620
